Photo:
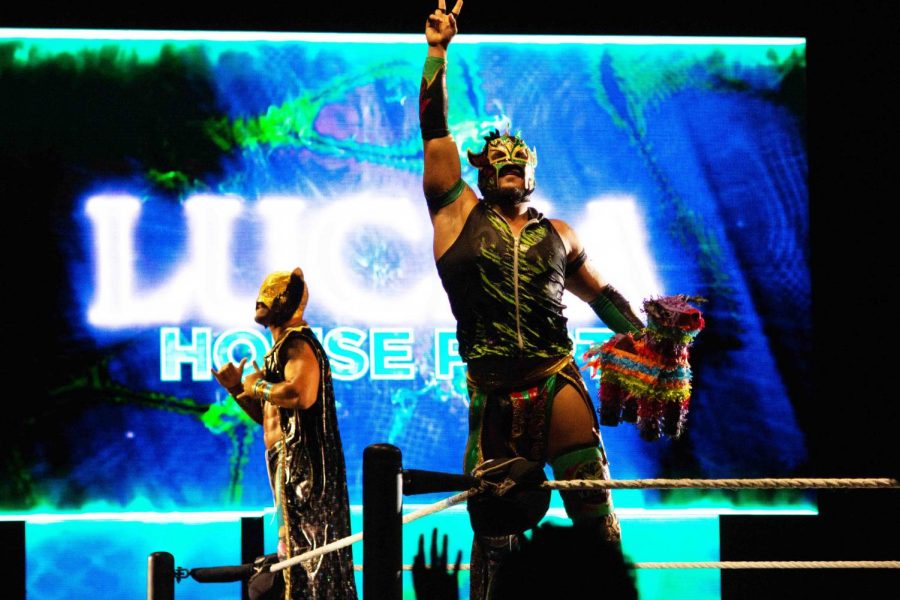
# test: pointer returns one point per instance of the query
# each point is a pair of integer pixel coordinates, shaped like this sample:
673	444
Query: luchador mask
285	294
502	151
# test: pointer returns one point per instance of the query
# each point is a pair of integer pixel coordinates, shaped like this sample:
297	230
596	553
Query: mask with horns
503	151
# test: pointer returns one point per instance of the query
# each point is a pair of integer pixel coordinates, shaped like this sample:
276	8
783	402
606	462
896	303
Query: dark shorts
509	421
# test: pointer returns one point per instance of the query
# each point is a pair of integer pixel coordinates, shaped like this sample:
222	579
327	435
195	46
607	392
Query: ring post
252	536
382	523
12	570
160	576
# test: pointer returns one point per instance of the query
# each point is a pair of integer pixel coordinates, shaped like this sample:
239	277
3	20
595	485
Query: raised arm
300	387
229	377
441	181
583	280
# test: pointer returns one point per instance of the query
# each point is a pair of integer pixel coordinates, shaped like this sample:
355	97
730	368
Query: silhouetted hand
434	582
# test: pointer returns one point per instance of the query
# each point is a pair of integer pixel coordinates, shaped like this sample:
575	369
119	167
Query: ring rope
330	547
744	564
347	541
785	483
587	484
439	506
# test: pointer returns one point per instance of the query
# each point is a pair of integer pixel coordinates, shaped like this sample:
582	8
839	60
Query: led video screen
178	169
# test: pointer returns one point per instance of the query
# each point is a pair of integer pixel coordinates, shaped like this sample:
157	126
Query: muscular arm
300	387
584	280
449	198
251	406
442	166
586	283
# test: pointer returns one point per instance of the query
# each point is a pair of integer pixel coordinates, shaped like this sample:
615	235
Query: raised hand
434	582
229	377
441	25
250	380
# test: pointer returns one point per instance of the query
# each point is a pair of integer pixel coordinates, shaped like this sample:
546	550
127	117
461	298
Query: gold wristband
262	390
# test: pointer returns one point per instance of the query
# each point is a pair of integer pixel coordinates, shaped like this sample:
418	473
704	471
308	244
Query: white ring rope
587	484
335	545
347	541
743	564
439	506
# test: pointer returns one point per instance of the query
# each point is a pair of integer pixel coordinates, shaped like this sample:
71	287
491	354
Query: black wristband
433	99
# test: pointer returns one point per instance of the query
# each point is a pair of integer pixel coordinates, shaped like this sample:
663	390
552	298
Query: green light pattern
220	418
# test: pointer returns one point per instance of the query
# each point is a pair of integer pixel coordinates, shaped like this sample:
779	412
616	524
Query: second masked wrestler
293	399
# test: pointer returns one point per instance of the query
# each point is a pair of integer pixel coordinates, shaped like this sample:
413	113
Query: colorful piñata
646	378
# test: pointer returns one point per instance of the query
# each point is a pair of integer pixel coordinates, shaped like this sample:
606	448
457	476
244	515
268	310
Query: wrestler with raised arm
504	267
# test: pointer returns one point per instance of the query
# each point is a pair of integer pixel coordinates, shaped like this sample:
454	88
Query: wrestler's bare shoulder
567	234
562	228
297	348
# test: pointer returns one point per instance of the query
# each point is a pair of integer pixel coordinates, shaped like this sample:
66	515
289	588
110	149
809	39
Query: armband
262	390
433	99
435	203
614	310
573	266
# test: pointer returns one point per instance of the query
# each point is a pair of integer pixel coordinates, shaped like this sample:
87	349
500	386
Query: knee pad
584	463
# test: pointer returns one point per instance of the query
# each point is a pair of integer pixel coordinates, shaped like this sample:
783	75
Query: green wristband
613	309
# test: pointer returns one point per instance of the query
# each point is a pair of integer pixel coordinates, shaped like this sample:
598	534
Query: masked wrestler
293	399
504	267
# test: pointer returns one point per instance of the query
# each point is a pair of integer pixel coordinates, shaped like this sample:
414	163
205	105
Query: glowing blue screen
195	166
